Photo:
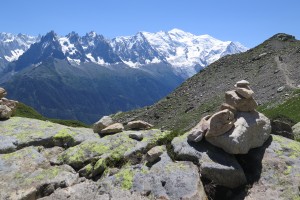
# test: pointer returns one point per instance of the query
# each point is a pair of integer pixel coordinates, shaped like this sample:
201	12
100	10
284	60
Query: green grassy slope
28	112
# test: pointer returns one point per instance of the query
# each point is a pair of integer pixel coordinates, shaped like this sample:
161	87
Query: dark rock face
282	128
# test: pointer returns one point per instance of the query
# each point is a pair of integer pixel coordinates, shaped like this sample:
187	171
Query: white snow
15	45
181	49
15	54
67	46
73	61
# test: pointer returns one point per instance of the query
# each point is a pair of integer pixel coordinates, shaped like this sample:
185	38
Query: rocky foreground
45	160
228	155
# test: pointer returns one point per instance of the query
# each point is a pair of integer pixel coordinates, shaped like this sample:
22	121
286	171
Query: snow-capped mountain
13	46
184	52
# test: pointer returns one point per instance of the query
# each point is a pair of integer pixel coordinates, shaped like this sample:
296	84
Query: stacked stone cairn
237	127
7	107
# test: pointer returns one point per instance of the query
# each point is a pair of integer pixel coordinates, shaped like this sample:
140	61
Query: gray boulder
102	123
296	131
138	125
27	174
112	147
164	180
277	166
91	190
251	130
215	164
240	103
20	132
197	133
5	112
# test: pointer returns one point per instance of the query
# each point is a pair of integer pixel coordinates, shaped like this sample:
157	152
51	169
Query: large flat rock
91	190
27	174
278	169
164	180
215	164
18	132
113	147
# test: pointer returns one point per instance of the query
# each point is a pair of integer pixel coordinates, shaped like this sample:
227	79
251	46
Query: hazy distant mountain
12	46
185	52
84	77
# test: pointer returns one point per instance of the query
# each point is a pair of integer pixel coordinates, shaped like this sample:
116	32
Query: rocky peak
283	37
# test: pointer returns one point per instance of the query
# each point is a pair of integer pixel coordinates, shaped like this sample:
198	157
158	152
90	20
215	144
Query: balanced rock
138	125
229	107
242	84
5	112
102	124
251	130
2	92
9	103
154	153
197	133
240	103
112	129
219	123
245	92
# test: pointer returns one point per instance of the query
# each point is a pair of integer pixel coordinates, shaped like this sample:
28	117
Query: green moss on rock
64	137
126	178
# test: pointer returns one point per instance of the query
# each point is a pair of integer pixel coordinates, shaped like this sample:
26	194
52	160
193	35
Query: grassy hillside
288	110
28	112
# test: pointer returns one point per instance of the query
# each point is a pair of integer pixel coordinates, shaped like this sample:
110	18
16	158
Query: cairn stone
5	112
3	93
104	122
219	123
240	103
244	92
229	107
197	133
112	129
9	103
138	125
242	84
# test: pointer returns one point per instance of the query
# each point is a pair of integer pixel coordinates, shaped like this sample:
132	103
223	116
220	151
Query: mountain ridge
174	47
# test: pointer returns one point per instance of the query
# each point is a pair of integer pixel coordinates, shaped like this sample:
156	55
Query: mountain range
61	76
271	68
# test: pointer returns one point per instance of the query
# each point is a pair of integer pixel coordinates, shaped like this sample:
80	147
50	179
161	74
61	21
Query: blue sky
249	22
